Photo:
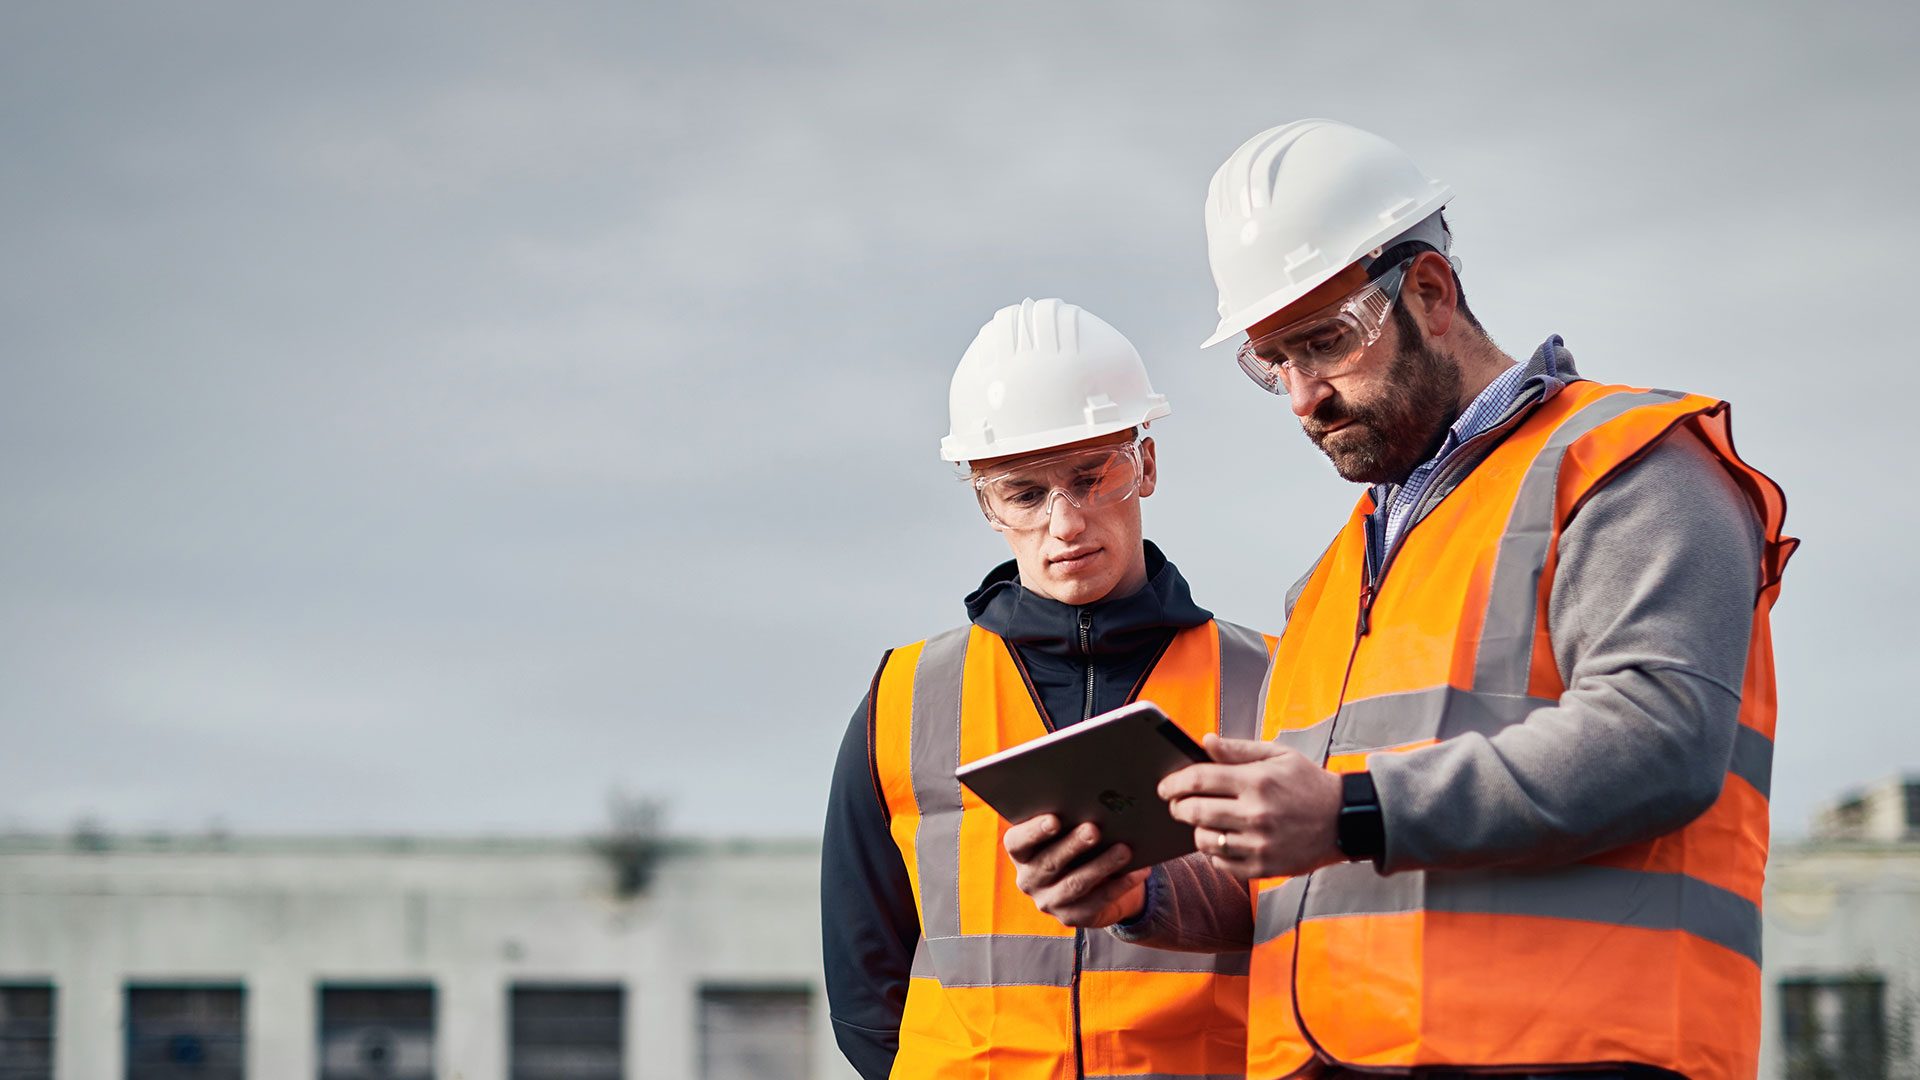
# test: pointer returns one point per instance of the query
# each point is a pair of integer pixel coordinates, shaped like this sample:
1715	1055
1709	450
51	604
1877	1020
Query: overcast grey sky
429	417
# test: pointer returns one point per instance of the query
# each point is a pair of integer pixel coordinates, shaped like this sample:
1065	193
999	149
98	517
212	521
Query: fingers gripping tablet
1102	770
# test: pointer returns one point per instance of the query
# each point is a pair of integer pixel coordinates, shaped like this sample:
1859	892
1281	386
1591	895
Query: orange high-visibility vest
1646	954
999	989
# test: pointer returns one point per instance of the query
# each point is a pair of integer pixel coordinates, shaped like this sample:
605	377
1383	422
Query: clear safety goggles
1020	497
1325	346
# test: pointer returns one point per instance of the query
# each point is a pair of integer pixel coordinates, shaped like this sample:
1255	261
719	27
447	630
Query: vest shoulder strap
1245	657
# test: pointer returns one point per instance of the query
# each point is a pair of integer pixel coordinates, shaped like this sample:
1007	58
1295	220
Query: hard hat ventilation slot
1304	260
1398	210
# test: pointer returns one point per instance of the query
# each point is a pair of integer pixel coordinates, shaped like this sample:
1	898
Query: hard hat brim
952	449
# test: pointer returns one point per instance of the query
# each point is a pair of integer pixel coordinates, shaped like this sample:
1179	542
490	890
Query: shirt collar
1481	413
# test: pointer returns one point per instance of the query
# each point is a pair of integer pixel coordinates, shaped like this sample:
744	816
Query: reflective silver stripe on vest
1438	712
1644	899
1108	953
995	960
1278	910
1243	671
1442	712
1335	892
1505	656
1036	960
1753	760
933	754
1310	740
1356	888
1641	899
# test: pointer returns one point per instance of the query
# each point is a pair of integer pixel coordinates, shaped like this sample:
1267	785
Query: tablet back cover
1104	770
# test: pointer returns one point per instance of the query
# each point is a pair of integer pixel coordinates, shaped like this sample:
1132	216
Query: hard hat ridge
1051	325
1044	373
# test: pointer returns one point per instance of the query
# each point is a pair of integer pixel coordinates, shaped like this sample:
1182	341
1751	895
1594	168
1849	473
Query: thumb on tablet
1238	751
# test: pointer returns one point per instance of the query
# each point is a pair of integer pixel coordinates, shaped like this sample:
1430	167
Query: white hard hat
1045	373
1299	203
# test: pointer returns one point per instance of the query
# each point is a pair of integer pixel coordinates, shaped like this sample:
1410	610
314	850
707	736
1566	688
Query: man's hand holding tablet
1088	818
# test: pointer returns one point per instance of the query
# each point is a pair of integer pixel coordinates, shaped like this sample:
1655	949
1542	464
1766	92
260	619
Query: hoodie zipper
1086	650
1079	936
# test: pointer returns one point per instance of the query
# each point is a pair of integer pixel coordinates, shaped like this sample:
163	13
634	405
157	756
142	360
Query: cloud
450	413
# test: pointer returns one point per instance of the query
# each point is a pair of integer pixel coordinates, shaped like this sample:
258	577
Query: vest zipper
1079	1052
1086	650
1369	590
1300	914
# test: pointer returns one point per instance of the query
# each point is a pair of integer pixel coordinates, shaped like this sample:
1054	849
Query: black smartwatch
1360	833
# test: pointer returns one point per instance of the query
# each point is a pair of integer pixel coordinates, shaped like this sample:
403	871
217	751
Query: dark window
1912	794
186	1033
376	1033
754	1033
1834	1028
26	1032
567	1032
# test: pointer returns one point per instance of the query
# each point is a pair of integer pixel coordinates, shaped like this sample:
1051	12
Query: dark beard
1399	427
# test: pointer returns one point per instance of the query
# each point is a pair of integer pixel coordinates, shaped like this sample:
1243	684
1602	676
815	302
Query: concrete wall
471	917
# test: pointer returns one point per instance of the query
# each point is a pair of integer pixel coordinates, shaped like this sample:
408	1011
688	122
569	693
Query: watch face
1359	833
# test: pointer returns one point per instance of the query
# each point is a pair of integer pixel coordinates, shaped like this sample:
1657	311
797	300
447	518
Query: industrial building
168	958
631	958
1841	942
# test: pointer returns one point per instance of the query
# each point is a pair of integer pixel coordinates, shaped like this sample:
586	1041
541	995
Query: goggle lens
1320	349
1022	498
1324	348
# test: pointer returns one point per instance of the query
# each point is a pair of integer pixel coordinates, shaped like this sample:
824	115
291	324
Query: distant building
211	958
1842	942
410	959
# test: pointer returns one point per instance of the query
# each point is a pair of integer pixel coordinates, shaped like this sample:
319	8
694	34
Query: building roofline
161	843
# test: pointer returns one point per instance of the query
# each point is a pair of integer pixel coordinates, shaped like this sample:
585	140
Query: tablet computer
1104	770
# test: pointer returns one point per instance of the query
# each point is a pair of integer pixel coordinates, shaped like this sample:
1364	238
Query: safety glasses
1020	497
1325	346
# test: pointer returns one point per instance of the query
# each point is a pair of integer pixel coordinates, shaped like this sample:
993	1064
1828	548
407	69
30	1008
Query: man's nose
1305	394
1064	520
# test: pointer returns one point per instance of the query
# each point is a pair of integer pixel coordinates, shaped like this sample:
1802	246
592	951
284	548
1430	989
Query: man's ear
1429	294
1149	470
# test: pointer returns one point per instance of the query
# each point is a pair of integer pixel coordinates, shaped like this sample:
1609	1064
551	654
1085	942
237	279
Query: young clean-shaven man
937	965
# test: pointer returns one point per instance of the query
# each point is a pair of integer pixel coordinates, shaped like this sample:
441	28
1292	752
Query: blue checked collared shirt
1477	417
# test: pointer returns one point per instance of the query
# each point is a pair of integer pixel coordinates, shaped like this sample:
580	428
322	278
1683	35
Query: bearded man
1509	814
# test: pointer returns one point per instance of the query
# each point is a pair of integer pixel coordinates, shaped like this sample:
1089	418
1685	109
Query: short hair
1393	256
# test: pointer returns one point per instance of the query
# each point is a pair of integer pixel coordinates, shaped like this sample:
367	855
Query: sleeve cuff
1136	928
